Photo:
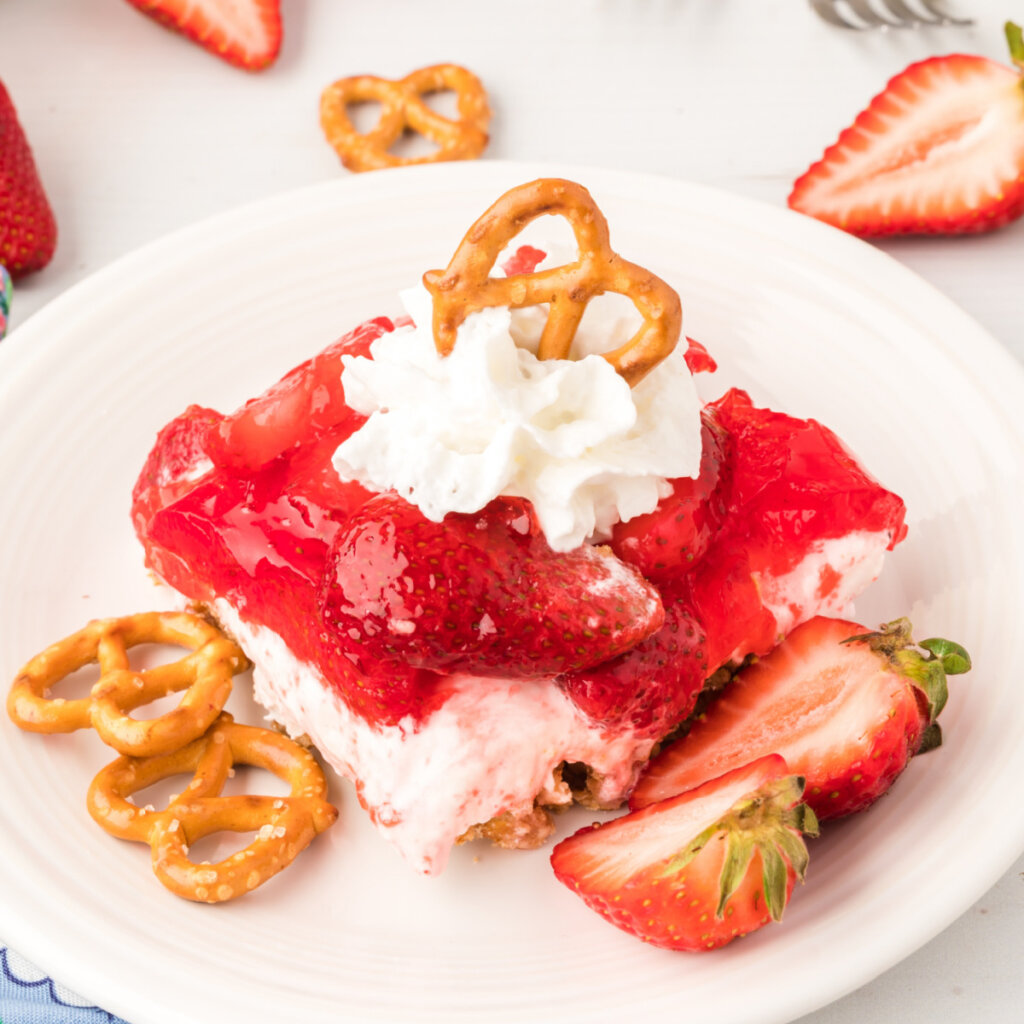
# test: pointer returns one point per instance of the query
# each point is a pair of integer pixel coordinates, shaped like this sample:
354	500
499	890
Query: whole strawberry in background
245	33
939	151
28	230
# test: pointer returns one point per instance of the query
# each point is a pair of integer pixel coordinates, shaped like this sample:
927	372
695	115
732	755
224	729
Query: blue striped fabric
28	996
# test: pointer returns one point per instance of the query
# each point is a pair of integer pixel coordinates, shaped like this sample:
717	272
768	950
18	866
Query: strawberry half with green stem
700	869
939	151
246	33
481	592
28	230
846	708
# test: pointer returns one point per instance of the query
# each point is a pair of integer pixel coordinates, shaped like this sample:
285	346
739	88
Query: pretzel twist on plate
466	285
204	674
402	109
284	826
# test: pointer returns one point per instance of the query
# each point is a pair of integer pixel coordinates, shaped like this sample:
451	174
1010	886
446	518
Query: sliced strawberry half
246	33
846	708
939	151
700	869
302	407
481	592
674	537
653	686
176	463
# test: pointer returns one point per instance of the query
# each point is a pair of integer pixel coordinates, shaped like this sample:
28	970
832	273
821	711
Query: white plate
807	319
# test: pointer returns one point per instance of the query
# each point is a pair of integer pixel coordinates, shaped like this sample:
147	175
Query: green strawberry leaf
955	660
1015	39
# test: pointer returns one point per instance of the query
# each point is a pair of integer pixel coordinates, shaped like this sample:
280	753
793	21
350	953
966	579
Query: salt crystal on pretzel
284	826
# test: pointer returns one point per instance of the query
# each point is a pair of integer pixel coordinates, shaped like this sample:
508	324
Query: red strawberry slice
481	593
674	537
846	708
696	871
939	151
654	686
175	463
793	487
306	404
698	358
246	33
28	231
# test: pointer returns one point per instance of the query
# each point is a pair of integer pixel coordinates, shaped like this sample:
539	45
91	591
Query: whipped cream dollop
451	433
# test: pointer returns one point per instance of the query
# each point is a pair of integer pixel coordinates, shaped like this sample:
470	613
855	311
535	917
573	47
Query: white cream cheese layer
491	747
826	580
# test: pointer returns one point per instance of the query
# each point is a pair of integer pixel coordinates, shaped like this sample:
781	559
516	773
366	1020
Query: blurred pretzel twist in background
403	109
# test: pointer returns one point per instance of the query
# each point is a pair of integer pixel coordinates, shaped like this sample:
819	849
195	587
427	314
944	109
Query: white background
137	133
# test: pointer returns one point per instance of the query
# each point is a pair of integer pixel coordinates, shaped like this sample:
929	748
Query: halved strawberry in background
246	33
845	707
480	592
939	151
696	871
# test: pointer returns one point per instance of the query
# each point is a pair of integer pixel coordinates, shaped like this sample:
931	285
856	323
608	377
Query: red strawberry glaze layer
245	508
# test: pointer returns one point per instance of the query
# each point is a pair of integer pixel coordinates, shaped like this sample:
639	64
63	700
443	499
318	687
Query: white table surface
137	132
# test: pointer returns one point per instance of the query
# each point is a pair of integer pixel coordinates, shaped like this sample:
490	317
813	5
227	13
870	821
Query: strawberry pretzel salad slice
487	557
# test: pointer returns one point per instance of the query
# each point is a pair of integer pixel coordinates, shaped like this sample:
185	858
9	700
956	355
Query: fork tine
869	14
944	19
909	17
826	10
865	14
864	10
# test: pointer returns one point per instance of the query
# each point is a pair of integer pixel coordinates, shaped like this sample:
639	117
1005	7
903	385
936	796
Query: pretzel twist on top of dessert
466	285
284	826
204	674
402	108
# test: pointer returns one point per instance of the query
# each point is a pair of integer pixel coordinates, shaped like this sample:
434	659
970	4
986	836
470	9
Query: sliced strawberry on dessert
673	538
178	460
302	407
807	529
846	708
654	686
797	514
939	151
481	593
246	33
700	869
28	230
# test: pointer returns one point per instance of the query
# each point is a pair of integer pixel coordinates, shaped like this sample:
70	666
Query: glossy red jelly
245	507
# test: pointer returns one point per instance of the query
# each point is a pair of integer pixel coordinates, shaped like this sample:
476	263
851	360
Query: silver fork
864	14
